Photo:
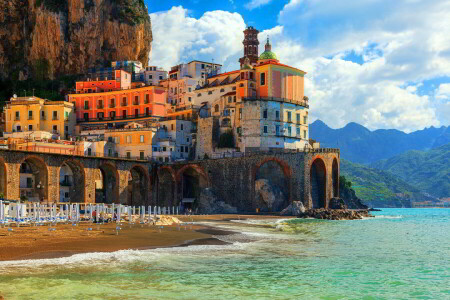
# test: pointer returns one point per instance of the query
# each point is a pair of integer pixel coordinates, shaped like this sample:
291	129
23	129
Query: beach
41	242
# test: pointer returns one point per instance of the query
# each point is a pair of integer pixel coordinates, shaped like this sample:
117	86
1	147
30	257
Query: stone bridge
245	182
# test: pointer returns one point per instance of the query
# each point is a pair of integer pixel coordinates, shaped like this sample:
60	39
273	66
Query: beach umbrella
129	214
90	212
119	211
159	210
142	214
134	210
2	212
177	211
155	211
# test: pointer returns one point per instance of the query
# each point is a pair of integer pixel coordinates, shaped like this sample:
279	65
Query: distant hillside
379	188
427	170
359	144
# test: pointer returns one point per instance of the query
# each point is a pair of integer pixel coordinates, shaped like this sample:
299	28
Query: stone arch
191	180
33	182
3	178
166	186
318	183
138	186
271	184
335	177
71	181
107	186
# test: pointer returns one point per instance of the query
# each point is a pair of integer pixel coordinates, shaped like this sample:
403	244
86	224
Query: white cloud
256	3
180	38
443	92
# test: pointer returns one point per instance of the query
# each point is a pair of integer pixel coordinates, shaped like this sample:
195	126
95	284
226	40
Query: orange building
143	102
120	80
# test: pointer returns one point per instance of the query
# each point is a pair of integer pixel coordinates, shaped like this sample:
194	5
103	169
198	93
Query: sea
398	254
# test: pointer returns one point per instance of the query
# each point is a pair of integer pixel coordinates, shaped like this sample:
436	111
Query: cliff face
52	37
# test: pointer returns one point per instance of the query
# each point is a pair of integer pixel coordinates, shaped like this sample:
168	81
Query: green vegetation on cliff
379	188
427	170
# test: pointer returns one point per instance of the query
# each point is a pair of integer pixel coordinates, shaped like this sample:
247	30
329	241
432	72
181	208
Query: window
42	115
181	126
210	92
30	115
298	118
216	108
128	154
136	100
86	116
109	152
289	130
124	101
155	149
265	129
66	128
160	77
240	113
222	90
55	115
150	76
142	139
304	134
186	149
136	112
147	98
89	151
147	111
305	120
66	115
265	114
182	149
187	140
116	139
30	127
263	78
110	139
298	131
124	114
17	115
86	104
55	128
164	149
189	99
234	88
234	98
277	115
203	66
128	139
289	116
141	155
277	129
19	128
230	99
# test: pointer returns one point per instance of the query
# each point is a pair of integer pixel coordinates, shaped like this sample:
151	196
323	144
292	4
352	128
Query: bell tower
251	44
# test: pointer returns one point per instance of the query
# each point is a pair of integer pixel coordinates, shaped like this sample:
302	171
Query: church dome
268	55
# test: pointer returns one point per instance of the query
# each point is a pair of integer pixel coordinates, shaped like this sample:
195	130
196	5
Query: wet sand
39	242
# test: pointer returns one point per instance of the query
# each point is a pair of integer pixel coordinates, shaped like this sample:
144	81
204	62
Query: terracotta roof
229	94
223	74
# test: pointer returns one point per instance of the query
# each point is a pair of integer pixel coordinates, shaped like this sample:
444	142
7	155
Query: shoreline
36	243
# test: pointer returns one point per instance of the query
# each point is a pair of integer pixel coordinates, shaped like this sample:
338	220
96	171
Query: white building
153	75
172	141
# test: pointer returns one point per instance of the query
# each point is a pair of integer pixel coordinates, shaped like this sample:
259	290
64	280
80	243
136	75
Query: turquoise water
400	254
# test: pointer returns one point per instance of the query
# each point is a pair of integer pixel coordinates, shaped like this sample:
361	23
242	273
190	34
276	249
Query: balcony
124	104
112	105
146	101
55	118
43	118
55	132
99	106
66	183
17	118
30	118
135	102
86	107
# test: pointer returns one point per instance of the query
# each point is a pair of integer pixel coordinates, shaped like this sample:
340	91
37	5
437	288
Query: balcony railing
55	118
99	106
296	102
43	118
66	183
30	118
124	103
112	105
17	118
134	116
86	107
135	102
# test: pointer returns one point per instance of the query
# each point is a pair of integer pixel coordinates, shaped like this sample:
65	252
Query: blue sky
375	62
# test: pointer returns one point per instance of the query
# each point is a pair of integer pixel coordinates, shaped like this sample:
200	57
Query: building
100	82
173	141
153	75
262	105
120	105
28	114
180	92
130	142
251	44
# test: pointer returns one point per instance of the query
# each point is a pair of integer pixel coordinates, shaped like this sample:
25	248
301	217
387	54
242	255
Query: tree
226	140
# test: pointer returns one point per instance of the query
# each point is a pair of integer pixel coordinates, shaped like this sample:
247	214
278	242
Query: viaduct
310	177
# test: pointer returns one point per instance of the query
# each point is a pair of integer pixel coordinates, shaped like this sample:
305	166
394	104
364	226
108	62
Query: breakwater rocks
335	214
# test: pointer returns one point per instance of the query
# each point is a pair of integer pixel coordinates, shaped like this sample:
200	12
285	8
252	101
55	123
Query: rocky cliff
47	38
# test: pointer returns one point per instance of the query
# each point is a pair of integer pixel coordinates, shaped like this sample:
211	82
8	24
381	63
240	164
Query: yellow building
36	114
130	142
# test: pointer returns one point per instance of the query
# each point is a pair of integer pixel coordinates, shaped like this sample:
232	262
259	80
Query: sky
381	63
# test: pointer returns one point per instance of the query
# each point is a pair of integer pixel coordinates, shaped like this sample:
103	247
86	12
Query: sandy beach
66	240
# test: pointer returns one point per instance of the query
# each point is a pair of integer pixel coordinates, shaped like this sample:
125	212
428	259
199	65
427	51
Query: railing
30	118
118	118
135	102
55	118
86	107
112	106
43	118
124	104
66	183
17	118
146	101
284	100
100	106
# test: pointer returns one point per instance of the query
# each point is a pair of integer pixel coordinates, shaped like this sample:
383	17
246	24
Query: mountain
379	188
427	170
49	38
359	144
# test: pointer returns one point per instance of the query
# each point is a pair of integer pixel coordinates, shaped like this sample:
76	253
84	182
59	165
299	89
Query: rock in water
294	209
54	37
335	214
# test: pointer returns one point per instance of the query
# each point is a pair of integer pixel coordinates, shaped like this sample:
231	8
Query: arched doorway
166	187
3	179
107	184
335	178
318	183
33	183
138	185
71	182
191	181
271	185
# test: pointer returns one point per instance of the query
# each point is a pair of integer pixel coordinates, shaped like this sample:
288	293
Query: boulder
270	197
335	214
209	204
294	209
